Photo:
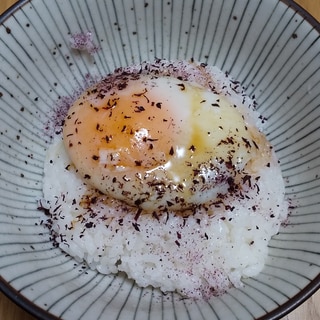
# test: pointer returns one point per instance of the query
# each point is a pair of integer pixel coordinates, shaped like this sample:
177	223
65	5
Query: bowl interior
266	45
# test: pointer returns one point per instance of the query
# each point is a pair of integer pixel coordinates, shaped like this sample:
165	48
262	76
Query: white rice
198	256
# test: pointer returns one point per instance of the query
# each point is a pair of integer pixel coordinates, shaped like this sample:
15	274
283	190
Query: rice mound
197	255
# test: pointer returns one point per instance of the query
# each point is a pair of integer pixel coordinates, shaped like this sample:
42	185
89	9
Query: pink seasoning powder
84	41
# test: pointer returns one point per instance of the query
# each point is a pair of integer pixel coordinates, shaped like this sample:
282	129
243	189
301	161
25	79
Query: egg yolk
158	142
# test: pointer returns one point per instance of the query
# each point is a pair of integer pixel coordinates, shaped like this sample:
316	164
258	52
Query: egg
158	142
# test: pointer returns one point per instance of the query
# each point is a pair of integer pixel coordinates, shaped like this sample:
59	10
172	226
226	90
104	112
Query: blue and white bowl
272	47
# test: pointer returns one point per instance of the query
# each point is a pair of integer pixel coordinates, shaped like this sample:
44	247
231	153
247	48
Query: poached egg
158	142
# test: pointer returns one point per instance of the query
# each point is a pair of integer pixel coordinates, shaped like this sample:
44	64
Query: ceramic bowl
270	46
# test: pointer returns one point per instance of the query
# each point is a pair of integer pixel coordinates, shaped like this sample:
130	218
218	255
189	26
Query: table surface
310	310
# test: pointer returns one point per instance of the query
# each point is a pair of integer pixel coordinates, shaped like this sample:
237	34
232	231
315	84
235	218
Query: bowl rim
297	300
